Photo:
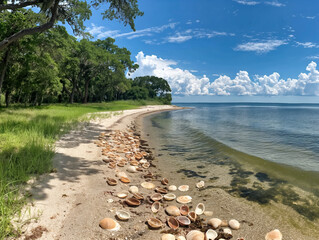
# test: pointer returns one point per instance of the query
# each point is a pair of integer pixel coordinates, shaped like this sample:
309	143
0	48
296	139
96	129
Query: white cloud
275	4
193	71
315	57
178	38
308	44
311	17
245	2
185	83
260	47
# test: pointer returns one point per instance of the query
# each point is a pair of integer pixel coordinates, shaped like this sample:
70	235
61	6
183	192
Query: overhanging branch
18	5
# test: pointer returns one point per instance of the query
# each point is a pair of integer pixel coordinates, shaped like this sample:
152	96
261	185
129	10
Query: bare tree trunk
4	64
86	92
7	98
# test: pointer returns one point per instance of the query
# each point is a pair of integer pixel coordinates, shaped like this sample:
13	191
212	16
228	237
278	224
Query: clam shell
111	181
131	169
161	190
146	165
183	221
192	216
154	223
172	188
143	161
173	223
133	202
214	222
155	207
172	210
164	181
125	180
169	196
234	224
195	235
121	195
184	199
274	235
109	224
123	215
227	232
157	197
211	234
133	189
138	196
200	184
168	236
121	174
200	208
183	188
148	185
184	210
180	238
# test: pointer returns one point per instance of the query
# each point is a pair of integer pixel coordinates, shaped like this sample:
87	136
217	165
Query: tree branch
18	5
29	31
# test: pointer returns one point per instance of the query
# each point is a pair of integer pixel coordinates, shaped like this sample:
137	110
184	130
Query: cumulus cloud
260	47
184	82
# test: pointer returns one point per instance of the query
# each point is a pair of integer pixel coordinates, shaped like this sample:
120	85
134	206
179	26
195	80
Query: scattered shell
148	185
234	224
211	234
132	169
111	181
169	196
138	196
227	232
133	202
161	190
164	181
181	238
121	195
133	189
200	208
183	188
168	237
195	235
143	161
184	210
274	235
123	215
184	199
155	207
192	216
172	188
146	165
157	197
154	223
109	224
208	213
173	223
121	174
125	180
200	184
172	210
214	222
183	221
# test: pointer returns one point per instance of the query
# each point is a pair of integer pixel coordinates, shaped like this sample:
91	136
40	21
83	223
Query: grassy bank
27	137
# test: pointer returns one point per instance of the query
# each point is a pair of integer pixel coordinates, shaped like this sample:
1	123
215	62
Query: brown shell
173	223
107	223
155	207
133	202
111	181
138	156
154	223
121	164
164	181
157	197
138	196
184	210
125	180
183	221
192	216
161	190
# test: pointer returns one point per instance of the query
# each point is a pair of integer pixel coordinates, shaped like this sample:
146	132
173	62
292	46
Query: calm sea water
281	133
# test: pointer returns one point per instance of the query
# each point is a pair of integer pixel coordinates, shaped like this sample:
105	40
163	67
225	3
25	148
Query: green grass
27	137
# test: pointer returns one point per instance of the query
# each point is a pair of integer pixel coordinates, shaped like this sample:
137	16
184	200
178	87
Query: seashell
123	215
168	236
139	169
172	188
214	222
173	223
134	163
224	223
132	202
169	196
184	199
125	180
109	224
138	196
133	189
200	208
183	221
161	190
184	210
155	207
138	156
148	185
154	223
195	235
146	165
208	213
274	235
121	164
172	210
192	216
143	161
121	195
157	197
180	238
227	233
183	188
121	174
131	169
149	175
200	184
234	224
164	181
211	234
111	181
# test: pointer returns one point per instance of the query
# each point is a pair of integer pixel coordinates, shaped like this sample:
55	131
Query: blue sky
210	50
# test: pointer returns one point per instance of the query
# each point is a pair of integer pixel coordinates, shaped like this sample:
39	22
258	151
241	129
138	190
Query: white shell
173	211
211	234
183	188
155	207
169	196
148	185
133	189
180	238
132	169
123	215
195	235
214	222
184	199
122	195
121	174
234	224
208	213
228	231
172	188
200	184
200	208
143	161
274	235
168	237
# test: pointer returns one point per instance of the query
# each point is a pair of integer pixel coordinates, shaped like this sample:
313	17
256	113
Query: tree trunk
86	91
4	64
73	91
7	98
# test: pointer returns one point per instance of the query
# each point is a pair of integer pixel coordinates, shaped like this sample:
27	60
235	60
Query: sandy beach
69	203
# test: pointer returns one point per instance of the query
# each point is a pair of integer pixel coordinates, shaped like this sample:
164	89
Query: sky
224	50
